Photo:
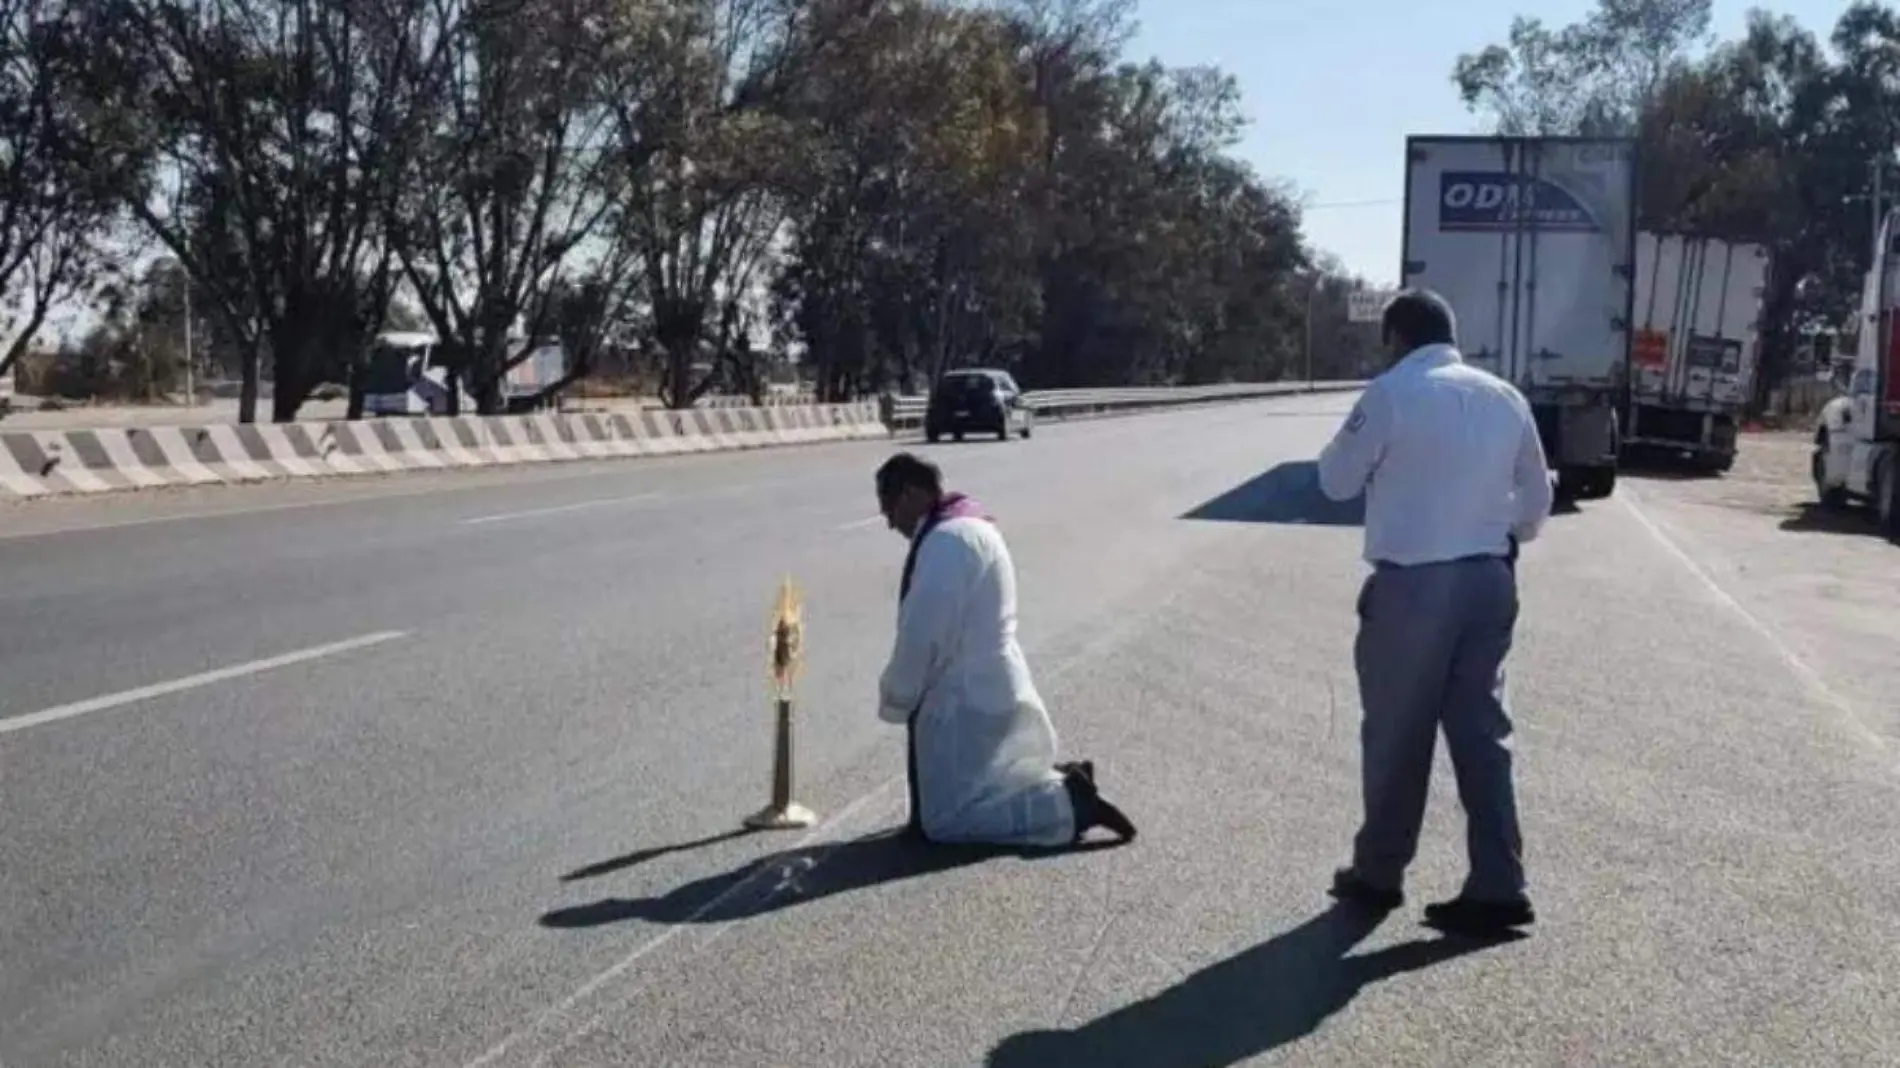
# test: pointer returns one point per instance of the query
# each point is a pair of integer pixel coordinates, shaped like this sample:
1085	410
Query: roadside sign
1366	307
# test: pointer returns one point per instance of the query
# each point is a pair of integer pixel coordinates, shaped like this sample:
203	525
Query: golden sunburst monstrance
787	640
787	645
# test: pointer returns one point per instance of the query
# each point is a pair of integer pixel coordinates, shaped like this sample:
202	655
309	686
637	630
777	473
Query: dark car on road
977	401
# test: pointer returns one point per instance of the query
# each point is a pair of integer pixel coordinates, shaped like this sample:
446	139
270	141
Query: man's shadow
1273	994
1289	494
791	877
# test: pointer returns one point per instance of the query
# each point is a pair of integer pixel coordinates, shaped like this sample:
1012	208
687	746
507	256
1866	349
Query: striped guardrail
40	463
908	411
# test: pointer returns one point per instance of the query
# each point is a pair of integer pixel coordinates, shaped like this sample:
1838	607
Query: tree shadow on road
1289	493
794	877
1267	997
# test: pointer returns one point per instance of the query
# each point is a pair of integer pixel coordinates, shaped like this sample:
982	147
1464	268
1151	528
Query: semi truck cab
1857	439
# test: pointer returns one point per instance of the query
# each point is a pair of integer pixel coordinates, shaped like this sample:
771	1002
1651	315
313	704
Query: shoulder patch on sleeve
1356	420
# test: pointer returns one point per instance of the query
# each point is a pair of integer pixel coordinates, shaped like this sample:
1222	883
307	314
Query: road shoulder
1824	583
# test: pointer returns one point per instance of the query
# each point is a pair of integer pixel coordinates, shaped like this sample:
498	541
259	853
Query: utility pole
1876	198
1312	295
1880	170
191	386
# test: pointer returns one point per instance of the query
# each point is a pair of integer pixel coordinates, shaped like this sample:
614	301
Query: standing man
1453	472
982	749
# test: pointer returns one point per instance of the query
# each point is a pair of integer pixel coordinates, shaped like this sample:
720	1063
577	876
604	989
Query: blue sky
1333	91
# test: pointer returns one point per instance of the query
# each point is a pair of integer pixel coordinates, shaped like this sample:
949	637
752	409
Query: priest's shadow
1289	493
1267	997
785	879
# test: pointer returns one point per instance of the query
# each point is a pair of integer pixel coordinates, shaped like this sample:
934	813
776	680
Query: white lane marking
1815	683
190	682
673	930
1059	669
856	524
367	482
369	486
601	502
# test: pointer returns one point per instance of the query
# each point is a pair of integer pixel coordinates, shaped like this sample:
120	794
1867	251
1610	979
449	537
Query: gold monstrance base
783	813
773	818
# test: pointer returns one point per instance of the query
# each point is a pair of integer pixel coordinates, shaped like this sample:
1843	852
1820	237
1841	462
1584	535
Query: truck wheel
1567	487
1585	483
1887	499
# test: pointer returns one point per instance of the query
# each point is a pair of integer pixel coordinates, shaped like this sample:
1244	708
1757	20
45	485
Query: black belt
1509	556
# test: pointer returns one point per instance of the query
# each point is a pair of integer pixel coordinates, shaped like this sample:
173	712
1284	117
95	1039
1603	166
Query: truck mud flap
1577	436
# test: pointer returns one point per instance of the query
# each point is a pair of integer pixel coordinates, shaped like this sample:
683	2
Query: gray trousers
1430	654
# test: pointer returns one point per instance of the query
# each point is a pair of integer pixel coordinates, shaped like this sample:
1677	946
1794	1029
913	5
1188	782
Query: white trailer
1696	346
544	365
409	373
406	375
1857	444
1532	241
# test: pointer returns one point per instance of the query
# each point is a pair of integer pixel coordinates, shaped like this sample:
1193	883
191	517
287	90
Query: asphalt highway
445	770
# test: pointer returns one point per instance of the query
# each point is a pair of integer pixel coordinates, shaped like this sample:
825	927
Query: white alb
986	748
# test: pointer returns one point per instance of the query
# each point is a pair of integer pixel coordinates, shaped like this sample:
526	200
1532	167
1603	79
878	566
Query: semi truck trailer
1694	352
1532	241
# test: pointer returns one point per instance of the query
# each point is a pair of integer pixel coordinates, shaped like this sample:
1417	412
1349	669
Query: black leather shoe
1084	768
1466	916
1114	820
1091	811
1349	887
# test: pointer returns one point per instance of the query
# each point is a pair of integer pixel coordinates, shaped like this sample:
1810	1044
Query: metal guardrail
908	411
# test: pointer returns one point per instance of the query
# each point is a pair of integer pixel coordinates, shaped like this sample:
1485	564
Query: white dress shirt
1449	460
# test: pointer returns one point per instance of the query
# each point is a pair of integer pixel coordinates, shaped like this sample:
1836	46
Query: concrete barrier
41	463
